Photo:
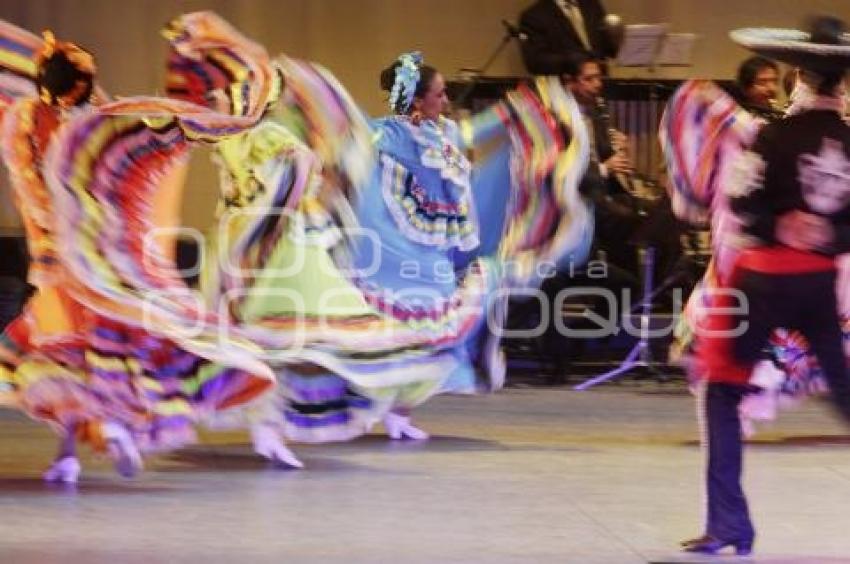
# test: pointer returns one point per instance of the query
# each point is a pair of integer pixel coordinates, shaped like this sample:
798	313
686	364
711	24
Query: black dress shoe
708	544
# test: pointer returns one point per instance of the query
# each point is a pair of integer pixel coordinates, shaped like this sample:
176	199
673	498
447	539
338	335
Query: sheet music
641	44
676	49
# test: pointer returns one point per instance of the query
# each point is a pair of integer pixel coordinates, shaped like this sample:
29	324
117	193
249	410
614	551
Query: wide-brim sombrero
824	49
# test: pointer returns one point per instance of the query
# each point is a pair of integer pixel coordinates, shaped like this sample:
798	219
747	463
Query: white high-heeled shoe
126	458
66	470
400	427
268	444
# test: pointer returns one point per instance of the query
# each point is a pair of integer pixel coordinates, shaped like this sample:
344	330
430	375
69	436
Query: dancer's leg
820	324
126	458
66	466
266	436
399	426
728	514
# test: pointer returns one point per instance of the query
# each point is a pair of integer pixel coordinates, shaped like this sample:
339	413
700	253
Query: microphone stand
511	32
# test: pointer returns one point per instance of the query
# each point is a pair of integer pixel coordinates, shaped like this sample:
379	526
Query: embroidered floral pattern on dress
444	217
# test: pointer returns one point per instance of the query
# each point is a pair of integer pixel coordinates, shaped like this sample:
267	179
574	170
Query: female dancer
389	319
84	356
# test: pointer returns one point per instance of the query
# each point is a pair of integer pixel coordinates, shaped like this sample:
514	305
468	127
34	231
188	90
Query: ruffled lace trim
420	217
438	145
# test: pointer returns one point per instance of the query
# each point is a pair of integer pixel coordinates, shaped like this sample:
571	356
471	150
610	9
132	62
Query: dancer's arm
756	205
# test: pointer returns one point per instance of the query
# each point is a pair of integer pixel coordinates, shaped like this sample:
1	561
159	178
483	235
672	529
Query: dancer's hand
804	231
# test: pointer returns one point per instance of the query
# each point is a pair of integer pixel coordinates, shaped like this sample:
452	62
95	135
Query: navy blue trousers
806	302
728	515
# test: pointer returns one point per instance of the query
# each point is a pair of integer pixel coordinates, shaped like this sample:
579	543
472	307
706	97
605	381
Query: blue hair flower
406	79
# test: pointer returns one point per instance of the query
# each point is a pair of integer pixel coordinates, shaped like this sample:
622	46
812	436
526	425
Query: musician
558	30
615	212
757	86
623	221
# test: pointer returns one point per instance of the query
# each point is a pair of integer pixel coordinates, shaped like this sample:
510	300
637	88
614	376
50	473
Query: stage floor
529	475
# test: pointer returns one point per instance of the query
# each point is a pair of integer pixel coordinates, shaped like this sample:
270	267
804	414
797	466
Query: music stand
647	46
641	355
676	50
641	45
651	46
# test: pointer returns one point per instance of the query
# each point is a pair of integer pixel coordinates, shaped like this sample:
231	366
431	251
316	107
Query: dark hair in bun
426	76
64	72
63	79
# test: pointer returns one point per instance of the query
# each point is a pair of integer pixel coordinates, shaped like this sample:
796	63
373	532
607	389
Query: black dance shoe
708	544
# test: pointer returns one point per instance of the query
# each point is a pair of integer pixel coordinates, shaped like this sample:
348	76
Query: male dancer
792	196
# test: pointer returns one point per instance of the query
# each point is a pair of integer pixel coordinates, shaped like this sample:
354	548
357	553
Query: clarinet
626	180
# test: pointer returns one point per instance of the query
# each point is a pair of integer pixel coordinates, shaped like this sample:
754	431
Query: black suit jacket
552	39
615	209
796	153
593	181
